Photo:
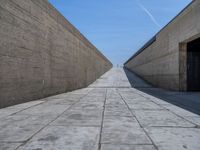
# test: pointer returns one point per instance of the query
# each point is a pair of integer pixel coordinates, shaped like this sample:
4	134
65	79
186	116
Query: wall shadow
187	100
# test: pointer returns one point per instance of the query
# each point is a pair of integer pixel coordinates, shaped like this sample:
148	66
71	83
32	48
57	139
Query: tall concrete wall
162	61
42	54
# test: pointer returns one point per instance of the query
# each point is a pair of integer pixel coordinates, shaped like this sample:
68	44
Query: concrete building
42	54
171	59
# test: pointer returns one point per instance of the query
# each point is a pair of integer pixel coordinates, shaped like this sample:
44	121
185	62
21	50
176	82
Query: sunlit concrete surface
108	115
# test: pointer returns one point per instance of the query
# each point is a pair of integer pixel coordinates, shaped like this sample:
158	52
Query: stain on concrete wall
42	54
161	62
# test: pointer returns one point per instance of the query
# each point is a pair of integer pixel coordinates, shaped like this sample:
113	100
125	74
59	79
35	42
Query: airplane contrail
148	13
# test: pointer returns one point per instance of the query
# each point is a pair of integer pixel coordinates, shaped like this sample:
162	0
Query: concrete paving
186	100
108	115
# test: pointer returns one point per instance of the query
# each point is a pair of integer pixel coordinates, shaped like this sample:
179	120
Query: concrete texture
162	62
184	100
107	115
42	54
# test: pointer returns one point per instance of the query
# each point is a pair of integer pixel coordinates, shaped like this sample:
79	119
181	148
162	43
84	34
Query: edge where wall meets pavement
42	54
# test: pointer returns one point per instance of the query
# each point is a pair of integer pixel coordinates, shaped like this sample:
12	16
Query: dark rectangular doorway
193	65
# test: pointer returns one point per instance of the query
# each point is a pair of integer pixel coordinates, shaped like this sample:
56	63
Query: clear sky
118	28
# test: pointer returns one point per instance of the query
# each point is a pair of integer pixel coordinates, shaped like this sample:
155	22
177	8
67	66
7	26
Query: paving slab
114	101
25	105
179	111
5	112
125	136
143	105
98	94
16	108
88	106
118	122
117	110
93	99
9	146
69	96
127	147
175	138
18	132
138	99
48	109
63	101
112	93
158	101
124	90
116	107
27	119
123	130
81	91
80	118
195	120
160	118
64	138
130	95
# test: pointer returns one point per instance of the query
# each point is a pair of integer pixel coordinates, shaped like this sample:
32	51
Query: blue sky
118	28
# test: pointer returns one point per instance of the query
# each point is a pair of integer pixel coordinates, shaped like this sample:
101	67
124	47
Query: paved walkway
187	100
108	115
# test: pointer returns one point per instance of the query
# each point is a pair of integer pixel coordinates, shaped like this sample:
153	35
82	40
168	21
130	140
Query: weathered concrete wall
163	61
42	54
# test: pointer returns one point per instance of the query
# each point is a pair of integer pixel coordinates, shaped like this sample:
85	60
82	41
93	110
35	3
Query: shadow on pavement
187	100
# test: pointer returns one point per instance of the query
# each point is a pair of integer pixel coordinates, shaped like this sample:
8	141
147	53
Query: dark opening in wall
193	65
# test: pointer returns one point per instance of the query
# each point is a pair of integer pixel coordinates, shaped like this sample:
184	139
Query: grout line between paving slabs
138	121
101	129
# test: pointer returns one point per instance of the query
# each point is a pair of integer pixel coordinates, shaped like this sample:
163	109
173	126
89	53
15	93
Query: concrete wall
42	54
163	61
